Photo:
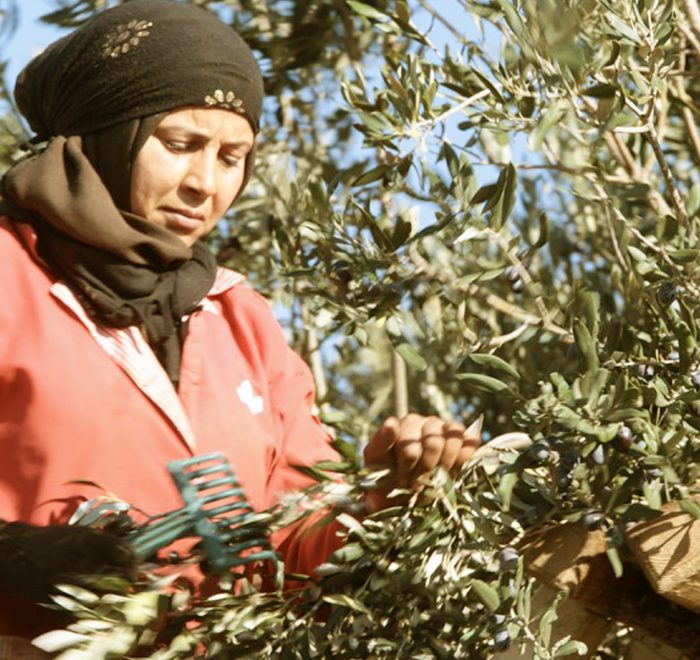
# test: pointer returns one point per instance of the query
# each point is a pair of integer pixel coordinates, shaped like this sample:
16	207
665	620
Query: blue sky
32	36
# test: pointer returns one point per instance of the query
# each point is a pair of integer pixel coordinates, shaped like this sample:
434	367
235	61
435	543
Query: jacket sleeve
302	440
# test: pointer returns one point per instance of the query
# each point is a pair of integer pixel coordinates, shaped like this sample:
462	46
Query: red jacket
76	404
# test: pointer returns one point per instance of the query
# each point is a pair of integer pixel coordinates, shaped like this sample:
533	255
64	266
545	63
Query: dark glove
33	559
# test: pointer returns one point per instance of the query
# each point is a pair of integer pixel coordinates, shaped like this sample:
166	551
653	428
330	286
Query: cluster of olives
512	274
508	560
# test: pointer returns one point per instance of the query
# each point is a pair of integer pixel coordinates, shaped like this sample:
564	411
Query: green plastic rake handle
154	536
208	498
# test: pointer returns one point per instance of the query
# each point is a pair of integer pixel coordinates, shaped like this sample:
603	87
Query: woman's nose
201	175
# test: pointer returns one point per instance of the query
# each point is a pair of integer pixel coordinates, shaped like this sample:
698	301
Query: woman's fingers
409	448
436	443
378	451
415	445
454	438
432	446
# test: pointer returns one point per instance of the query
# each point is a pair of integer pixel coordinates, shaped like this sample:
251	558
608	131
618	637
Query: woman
122	345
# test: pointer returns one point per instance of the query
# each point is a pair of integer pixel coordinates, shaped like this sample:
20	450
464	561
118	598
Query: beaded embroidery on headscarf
126	38
227	101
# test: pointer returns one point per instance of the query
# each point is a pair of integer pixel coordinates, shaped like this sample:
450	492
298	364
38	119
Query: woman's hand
35	558
414	445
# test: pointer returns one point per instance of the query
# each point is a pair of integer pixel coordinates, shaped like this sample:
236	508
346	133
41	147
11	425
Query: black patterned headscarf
95	96
139	59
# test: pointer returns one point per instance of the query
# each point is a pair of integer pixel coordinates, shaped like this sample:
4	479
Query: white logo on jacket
248	396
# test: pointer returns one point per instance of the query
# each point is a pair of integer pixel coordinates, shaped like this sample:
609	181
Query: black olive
508	558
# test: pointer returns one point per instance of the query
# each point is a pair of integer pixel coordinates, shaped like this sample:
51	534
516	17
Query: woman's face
190	170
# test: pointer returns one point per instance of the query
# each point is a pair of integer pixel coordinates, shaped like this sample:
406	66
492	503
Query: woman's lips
182	220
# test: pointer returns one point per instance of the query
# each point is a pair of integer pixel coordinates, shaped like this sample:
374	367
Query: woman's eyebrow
245	144
203	135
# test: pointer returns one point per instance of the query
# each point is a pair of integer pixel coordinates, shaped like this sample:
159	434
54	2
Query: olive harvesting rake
216	509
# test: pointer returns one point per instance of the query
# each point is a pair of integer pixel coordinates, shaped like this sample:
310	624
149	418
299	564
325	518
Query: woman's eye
176	146
230	160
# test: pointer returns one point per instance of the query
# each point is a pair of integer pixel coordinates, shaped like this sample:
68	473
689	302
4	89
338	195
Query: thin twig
400	380
616	246
554	167
690	37
689	122
626	130
691	127
502	340
438	17
624	157
653	140
313	351
458	108
661	124
692	11
498	303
